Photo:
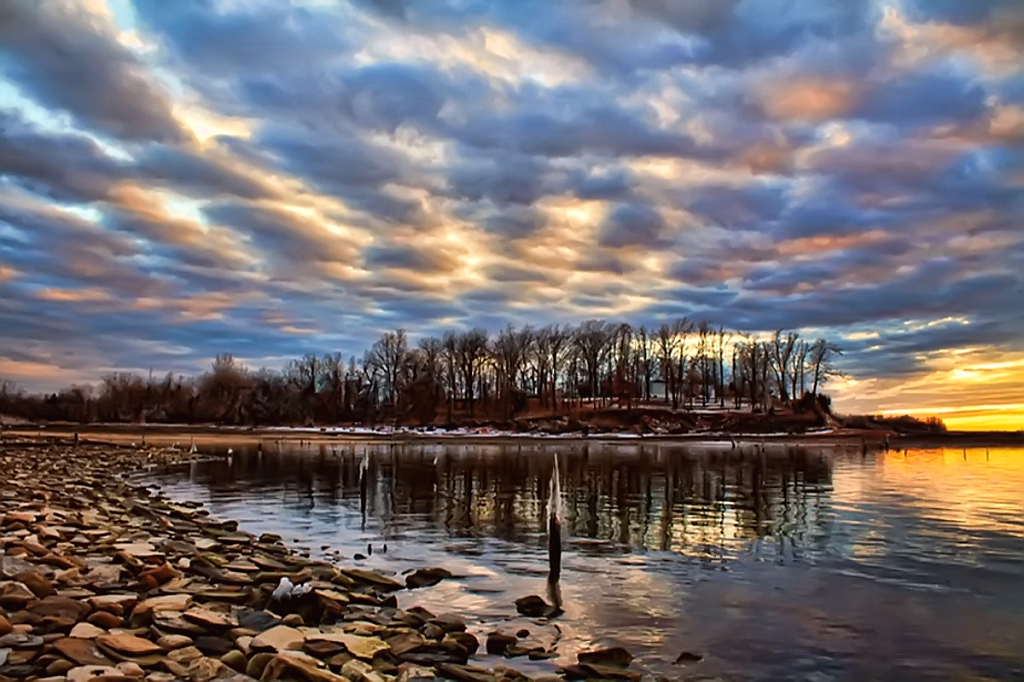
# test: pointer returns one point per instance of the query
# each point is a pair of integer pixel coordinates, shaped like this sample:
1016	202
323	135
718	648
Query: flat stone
131	669
613	656
185	655
291	665
213	646
115	603
532	606
20	640
278	638
211	619
498	643
105	619
465	673
257	664
14	595
171	642
358	671
60	607
426	577
170	602
39	585
142	551
86	631
81	651
235	660
372	578
360	647
5	625
96	673
129	645
59	667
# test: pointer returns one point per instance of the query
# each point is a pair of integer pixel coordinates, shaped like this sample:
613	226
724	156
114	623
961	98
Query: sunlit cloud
272	179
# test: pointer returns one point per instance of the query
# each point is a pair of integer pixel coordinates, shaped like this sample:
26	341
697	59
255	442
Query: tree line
470	375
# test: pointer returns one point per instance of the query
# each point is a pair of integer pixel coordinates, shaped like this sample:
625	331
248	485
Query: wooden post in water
555	539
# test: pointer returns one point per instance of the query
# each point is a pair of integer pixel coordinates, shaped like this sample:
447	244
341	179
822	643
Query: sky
269	179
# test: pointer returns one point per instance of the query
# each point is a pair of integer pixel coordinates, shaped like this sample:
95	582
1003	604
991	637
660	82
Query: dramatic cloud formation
179	179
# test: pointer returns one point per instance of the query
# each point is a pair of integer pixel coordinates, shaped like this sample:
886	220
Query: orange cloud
809	99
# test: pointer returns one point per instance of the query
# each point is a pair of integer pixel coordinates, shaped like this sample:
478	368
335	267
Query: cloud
70	59
179	179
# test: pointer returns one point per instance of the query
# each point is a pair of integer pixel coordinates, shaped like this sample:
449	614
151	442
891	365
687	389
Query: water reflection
787	562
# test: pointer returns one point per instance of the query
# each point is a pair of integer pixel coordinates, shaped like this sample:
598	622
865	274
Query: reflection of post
555	539
363	483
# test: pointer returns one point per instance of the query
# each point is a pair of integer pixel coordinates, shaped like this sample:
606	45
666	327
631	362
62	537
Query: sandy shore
102	580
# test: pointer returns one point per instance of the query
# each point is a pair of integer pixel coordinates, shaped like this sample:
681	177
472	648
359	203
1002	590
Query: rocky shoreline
103	580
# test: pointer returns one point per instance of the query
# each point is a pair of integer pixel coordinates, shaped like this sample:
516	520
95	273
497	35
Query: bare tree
472	351
821	354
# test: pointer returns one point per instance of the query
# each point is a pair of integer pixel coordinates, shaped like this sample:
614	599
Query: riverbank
100	579
183	436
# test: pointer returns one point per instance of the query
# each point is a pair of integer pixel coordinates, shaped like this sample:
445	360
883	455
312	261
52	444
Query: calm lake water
803	563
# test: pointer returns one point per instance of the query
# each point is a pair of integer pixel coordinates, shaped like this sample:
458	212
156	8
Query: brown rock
206	669
105	620
86	631
257	664
209	618
129	645
235	660
81	651
185	656
59	667
59	607
426	577
293	666
171	642
465	673
96	673
14	596
5	625
278	638
118	604
613	656
131	669
37	583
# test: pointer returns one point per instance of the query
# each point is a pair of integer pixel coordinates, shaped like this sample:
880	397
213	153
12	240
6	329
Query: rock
160	677
128	645
257	621
104	619
613	656
498	643
292	666
235	660
36	583
257	664
81	651
86	631
118	604
688	657
278	638
154	577
358	671
294	620
465	640
465	673
4	653
171	642
170	602
408	672
532	606
96	673
213	646
208	618
360	647
59	667
523	634
131	669
206	669
377	580
21	640
60	607
433	631
426	577
185	655
451	622
14	596
5	625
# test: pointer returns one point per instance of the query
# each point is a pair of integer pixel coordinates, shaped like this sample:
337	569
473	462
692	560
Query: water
796	563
